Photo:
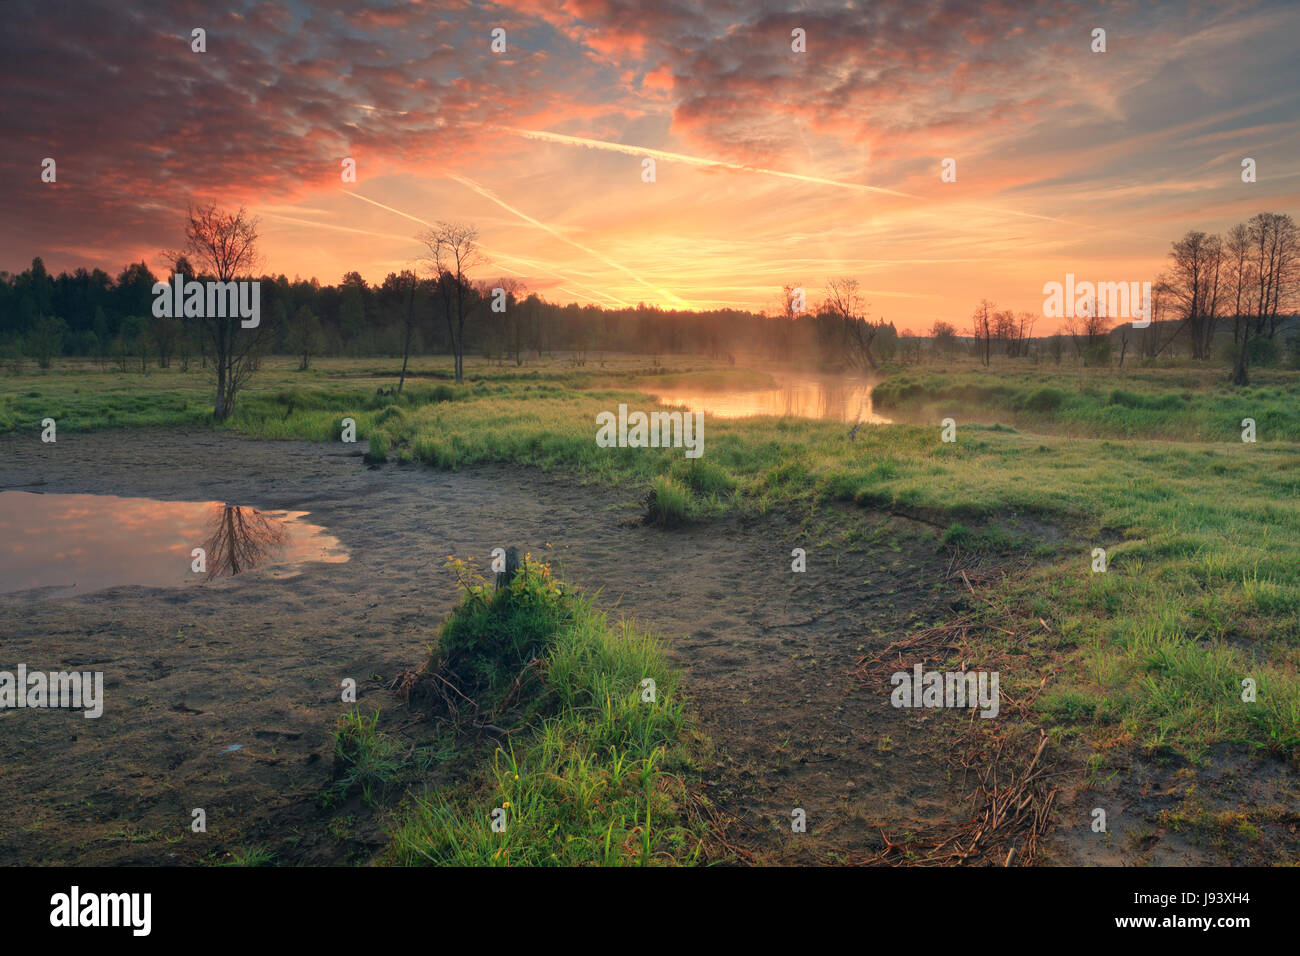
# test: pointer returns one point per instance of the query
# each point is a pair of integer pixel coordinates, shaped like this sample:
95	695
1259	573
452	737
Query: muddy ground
255	661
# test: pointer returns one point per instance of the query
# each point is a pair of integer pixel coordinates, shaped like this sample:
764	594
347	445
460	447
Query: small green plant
364	756
256	855
380	445
668	503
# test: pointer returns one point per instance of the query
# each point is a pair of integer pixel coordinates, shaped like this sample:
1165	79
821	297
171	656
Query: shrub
1045	400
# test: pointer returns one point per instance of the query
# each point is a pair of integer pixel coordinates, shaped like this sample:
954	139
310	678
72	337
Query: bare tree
224	245
1194	284
1272	273
844	301
982	327
1088	332
452	252
1275	253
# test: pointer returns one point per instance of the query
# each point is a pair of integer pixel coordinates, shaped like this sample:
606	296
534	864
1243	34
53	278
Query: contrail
740	167
492	197
389	208
693	160
423	222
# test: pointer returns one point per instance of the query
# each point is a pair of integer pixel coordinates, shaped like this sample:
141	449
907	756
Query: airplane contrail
707	163
389	208
493	197
424	222
693	160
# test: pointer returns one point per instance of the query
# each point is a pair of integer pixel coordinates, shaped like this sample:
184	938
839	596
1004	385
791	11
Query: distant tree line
1246	282
90	313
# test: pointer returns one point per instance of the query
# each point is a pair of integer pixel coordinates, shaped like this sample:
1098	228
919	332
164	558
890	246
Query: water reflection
835	398
83	543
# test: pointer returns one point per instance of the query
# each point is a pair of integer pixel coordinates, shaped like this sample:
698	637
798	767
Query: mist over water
837	398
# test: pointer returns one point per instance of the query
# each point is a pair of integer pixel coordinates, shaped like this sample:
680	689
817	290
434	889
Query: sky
771	166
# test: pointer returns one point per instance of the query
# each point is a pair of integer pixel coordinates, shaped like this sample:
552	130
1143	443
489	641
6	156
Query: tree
1004	331
45	340
165	332
406	284
943	336
1089	333
133	339
1194	283
982	327
1272	274
512	320
305	336
224	245
844	302
452	252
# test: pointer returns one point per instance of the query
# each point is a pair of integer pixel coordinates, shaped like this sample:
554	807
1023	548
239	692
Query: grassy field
1201	529
1170	403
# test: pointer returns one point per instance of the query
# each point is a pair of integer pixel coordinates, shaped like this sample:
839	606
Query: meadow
1201	529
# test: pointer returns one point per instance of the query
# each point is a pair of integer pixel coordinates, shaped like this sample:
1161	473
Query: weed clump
668	502
364	756
490	649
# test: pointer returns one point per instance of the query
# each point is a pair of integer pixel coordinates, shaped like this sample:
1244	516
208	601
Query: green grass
1192	404
365	758
1202	530
591	777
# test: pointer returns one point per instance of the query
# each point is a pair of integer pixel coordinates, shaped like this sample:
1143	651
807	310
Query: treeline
92	314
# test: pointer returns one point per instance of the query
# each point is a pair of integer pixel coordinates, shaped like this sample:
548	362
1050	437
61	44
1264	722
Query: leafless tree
982	328
453	251
223	245
844	301
1195	287
1272	272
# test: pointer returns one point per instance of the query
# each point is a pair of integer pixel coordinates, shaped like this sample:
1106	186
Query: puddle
75	544
839	399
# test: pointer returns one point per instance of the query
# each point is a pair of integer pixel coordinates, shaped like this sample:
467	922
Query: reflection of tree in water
241	538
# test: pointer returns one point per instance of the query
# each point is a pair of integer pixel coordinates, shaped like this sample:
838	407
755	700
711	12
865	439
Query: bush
1045	400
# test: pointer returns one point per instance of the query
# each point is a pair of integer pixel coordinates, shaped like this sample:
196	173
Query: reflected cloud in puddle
75	544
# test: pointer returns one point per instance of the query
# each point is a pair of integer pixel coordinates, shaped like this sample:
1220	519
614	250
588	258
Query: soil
255	662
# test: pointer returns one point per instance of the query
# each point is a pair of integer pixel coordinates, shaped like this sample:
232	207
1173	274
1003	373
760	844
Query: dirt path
256	662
